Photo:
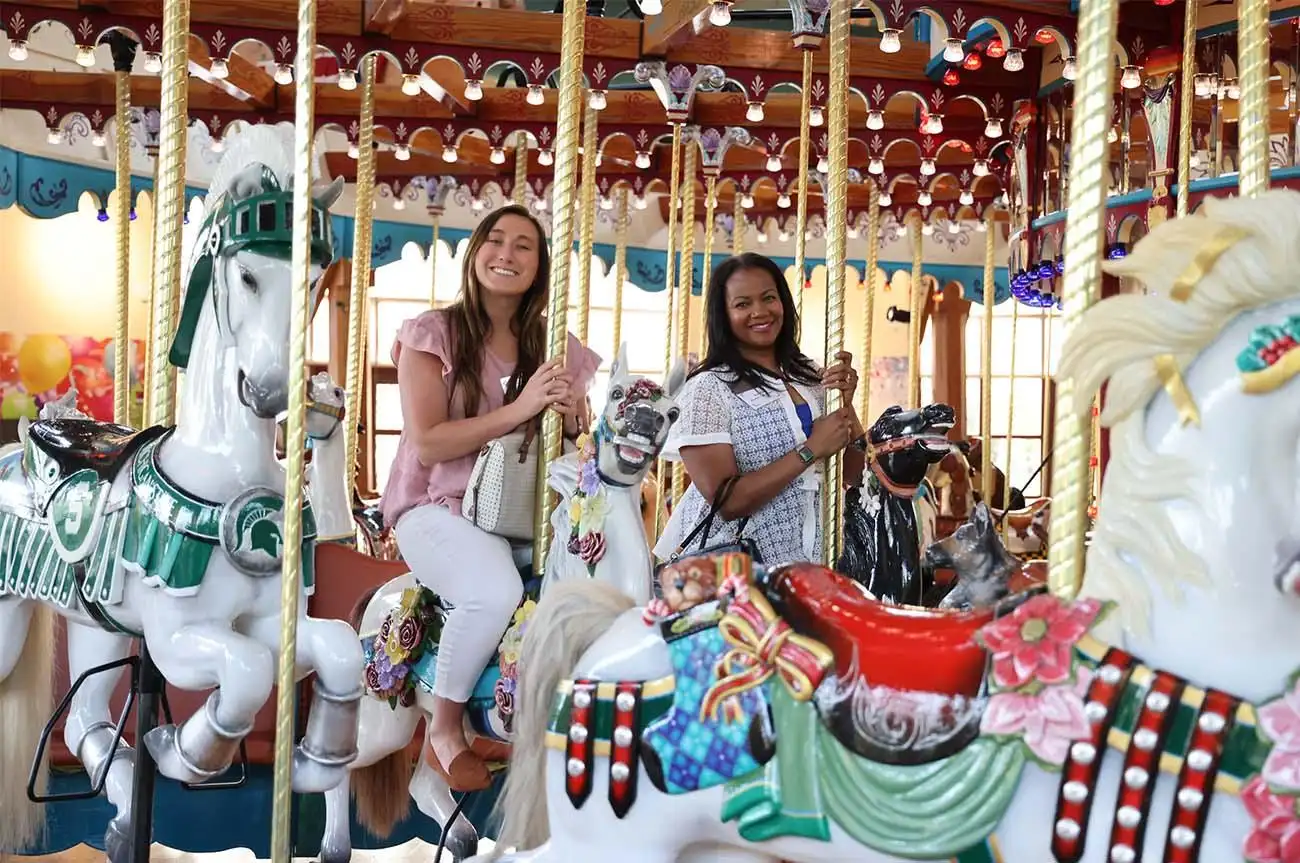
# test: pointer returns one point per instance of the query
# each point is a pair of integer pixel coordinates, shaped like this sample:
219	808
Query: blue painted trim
1050	219
1135	197
921	29
1052	86
47	188
1231	26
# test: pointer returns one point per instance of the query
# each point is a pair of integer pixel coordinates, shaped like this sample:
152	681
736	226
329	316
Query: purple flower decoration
589	479
679	78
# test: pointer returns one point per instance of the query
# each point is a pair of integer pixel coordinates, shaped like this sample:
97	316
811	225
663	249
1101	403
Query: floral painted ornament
1037	685
405	636
1272	798
1271	357
504	692
588	509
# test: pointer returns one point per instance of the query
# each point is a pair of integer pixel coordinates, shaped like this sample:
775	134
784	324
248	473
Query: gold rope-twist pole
670	282
1253	120
587	226
801	206
433	260
869	302
738	223
572	43
122	353
169	205
1089	173
620	265
362	244
1011	409
1186	93
686	282
916	303
295	434
706	264
837	227
986	360
150	373
520	195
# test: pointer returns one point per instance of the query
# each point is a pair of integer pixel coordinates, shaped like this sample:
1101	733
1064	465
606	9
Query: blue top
804	410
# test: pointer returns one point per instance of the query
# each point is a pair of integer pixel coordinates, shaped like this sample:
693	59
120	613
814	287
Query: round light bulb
596	100
754	113
399	203
473	90
97	139
980	226
545	158
824	165
815	116
927	167
477	205
18	50
774	163
152	62
643	160
924	198
875	120
720	13
347	79
783	200
86	56
891	41
993	128
640	202
219	69
535	95
762	236
54	136
606	203
980	168
411	85
1131	79
876	165
599	159
651	7
449	154
1069	69
853	232
1234	89
953	51
934	126
218	145
966	198
402	152
885	199
747	201
1014	61
953	227
284	74
783	236
354	152
497	156
927	229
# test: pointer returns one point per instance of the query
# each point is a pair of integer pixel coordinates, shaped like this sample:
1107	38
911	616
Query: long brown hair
470	323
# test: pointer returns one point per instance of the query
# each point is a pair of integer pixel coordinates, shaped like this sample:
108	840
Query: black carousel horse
882	544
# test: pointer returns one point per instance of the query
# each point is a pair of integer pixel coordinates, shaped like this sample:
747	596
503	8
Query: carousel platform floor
230	825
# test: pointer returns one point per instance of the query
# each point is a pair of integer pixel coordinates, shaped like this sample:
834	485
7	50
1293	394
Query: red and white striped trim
625	746
1142	767
580	746
1196	778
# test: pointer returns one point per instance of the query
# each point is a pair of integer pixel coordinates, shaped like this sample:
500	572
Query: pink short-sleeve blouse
411	484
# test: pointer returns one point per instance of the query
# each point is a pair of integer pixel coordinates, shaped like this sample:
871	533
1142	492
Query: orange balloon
43	362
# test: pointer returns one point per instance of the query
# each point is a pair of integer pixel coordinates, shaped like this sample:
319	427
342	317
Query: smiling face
754	309
507	261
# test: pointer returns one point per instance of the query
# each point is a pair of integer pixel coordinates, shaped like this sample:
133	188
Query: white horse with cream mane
1107	735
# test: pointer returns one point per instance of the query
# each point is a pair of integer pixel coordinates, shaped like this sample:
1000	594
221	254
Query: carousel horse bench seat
84	444
900	647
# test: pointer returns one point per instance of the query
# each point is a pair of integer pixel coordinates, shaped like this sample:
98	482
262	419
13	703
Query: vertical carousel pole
685	283
869	301
587	219
805	147
1253	121
520	195
572	44
435	231
1011	408
620	265
986	360
710	216
123	56
837	225
362	246
738	222
1083	238
295	439
670	282
914	324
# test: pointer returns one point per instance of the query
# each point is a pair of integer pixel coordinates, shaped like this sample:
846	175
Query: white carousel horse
606	541
329	485
174	535
1067	748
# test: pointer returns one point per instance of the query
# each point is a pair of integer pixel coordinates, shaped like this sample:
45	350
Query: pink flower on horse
1275	828
1033	644
1280	722
1047	721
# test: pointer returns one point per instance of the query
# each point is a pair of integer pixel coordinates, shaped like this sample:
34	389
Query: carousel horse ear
251	181
326	195
23	424
676	378
980	516
620	363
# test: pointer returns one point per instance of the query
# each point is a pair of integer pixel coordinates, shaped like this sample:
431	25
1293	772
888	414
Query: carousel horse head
906	443
634	425
325	406
974	552
239	289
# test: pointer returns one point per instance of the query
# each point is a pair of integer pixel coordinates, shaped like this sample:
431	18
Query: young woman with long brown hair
467	374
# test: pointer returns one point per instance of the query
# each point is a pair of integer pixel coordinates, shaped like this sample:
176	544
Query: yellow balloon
43	362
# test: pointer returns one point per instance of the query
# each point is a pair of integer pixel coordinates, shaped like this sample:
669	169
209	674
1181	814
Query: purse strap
706	524
530	432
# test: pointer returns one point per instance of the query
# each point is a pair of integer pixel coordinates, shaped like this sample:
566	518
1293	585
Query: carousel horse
1024	530
884	528
986	571
599	536
1153	717
174	535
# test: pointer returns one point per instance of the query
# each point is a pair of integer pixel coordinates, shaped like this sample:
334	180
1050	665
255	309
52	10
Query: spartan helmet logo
252	532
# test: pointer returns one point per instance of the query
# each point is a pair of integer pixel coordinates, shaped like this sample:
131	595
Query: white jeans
473	571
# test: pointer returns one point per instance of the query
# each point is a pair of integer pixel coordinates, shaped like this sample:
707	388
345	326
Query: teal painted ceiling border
48	188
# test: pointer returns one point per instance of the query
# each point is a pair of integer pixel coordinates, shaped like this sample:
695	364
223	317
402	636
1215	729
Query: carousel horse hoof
117	841
462	840
198	750
467	772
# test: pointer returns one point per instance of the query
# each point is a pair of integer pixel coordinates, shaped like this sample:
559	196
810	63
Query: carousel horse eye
247	278
616	394
673	414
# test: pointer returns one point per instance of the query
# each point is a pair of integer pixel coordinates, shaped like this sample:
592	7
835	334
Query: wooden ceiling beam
245	80
335	17
98	91
383	16
672	27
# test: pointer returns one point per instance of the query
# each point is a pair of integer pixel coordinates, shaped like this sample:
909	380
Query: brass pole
837	226
739	223
521	169
572	43
710	215
1186	93
801	212
1253	113
433	261
620	265
295	437
587	215
1011	408
362	245
869	304
986	360
686	282
122	353
670	282
169	201
914	325
1083	239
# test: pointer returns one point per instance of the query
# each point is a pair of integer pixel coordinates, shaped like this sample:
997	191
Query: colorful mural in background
38	368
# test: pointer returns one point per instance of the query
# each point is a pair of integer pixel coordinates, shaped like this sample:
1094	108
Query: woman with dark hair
754	408
468	374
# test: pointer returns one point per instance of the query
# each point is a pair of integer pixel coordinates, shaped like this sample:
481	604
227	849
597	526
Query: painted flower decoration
1275	826
591	548
592	518
1034	643
641	390
588	478
1279	721
1047	721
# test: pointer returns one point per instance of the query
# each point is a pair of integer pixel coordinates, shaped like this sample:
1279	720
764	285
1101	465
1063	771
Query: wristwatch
805	454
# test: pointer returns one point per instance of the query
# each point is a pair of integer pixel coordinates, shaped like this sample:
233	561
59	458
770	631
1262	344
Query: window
1023	366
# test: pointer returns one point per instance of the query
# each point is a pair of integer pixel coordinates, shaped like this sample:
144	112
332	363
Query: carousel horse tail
568	620
26	702
380	789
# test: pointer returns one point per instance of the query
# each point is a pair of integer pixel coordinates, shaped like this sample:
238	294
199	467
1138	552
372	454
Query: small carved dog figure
689	582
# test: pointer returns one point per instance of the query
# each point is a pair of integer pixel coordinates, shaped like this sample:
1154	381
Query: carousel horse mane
1118	343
